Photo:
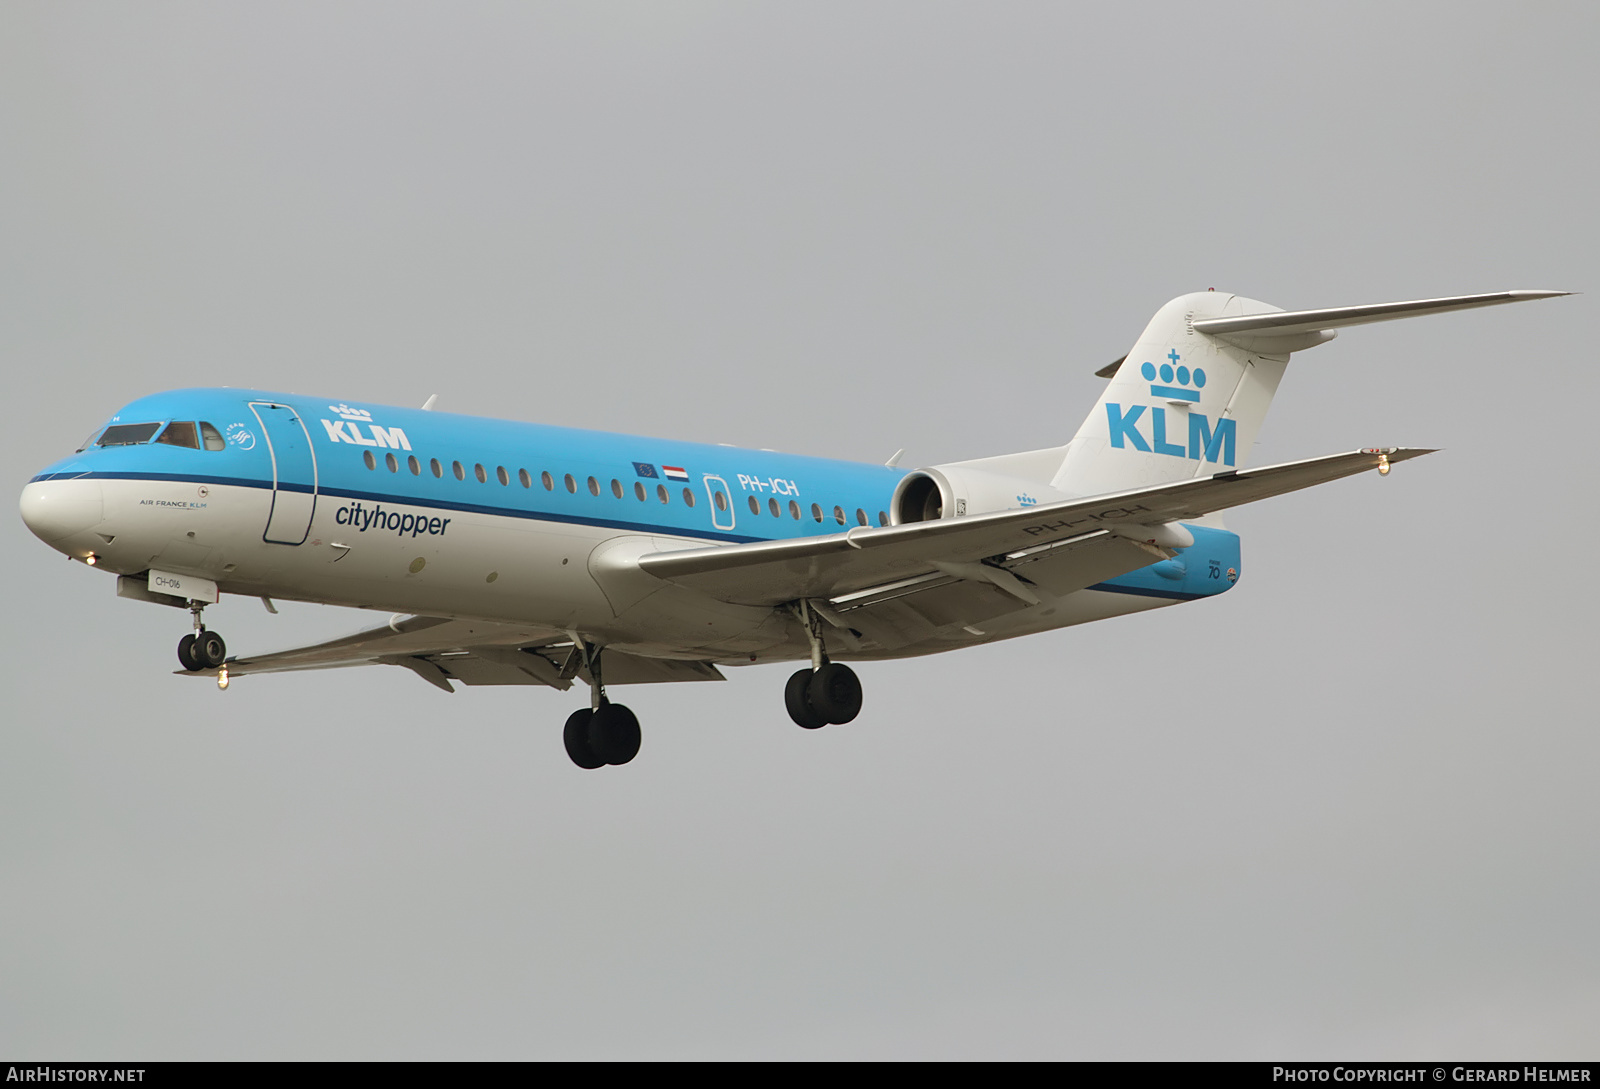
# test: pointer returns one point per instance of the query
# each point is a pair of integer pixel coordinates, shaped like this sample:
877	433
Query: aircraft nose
57	509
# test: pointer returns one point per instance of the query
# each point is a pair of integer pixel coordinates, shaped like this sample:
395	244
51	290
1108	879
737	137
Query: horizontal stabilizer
1303	326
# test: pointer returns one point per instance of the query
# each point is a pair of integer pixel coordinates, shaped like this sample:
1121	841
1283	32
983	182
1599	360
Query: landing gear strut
828	692
202	648
605	732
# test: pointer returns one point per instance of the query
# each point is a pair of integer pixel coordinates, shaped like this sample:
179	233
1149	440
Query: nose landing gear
203	648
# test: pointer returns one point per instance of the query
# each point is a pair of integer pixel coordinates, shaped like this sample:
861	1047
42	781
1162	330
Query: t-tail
1190	397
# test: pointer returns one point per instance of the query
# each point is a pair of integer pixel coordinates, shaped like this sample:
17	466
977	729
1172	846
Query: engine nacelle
951	491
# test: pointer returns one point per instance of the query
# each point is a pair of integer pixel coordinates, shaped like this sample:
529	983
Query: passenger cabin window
502	476
366	456
838	515
389	460
572	485
524	479
638	491
483	477
414	465
616	488
180	433
455	467
128	434
594	486
755	505
438	470
661	492
211	438
547	480
688	498
794	510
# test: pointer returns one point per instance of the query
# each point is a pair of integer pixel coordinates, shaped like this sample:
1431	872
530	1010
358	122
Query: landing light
91	559
222	677
1383	464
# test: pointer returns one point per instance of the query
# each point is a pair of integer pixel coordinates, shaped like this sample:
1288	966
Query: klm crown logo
354	415
1174	372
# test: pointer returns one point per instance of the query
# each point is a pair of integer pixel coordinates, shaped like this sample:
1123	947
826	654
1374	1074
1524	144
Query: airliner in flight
515	553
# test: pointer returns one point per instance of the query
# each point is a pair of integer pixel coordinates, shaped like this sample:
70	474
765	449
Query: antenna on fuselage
433	399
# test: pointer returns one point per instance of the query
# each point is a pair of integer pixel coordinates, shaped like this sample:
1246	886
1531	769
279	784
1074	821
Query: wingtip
1406	453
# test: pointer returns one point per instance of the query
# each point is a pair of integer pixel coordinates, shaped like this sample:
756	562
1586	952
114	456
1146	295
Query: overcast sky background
1347	810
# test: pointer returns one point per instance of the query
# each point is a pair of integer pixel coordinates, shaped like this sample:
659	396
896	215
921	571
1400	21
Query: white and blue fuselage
429	513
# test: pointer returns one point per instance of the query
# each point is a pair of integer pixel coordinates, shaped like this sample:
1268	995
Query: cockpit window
88	442
128	434
212	437
180	433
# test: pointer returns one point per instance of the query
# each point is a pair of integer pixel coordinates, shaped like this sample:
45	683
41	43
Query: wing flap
441	650
773	572
919	608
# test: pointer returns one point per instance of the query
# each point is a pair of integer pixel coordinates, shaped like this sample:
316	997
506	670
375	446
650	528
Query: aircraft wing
1074	544
440	650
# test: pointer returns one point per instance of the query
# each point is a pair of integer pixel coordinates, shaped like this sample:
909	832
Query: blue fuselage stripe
416	501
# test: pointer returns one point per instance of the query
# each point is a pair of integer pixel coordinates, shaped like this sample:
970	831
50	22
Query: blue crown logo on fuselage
1174	372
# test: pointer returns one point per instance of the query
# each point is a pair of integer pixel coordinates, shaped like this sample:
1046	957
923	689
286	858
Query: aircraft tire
798	702
835	692
209	650
186	653
614	733
576	736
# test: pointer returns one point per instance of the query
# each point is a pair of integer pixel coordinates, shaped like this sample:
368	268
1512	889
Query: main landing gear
823	697
604	732
203	648
826	694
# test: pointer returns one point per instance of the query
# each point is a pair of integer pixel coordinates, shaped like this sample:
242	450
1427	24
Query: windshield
127	434
181	433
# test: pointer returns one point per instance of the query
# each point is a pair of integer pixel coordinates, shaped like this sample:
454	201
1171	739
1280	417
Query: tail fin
1191	396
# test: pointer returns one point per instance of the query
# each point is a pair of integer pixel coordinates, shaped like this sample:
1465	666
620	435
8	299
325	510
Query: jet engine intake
951	491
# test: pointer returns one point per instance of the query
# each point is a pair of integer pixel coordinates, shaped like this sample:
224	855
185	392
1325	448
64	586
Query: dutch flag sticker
674	472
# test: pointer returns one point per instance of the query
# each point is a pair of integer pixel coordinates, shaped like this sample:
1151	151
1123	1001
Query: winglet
433	399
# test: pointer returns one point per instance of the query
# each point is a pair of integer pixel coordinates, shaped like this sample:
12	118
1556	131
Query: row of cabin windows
839	515
459	471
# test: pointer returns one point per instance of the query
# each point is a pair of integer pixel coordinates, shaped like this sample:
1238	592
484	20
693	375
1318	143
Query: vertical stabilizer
1182	404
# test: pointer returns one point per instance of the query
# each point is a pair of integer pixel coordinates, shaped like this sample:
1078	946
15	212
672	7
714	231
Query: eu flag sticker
644	468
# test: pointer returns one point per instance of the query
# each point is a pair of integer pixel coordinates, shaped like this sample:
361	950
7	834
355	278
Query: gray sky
1345	811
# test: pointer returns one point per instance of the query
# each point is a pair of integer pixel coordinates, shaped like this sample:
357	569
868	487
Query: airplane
515	553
